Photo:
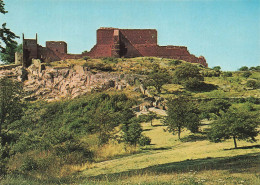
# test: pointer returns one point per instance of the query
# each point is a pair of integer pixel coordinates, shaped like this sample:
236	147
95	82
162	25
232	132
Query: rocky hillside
54	83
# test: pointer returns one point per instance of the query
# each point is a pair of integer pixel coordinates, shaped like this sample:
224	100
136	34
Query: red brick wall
57	46
47	55
100	51
140	36
110	42
105	36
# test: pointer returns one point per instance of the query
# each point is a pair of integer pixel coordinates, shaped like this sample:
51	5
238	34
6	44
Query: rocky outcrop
53	83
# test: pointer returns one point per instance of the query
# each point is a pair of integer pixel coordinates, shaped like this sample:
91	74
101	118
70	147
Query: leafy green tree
10	114
188	75
104	121
6	35
252	68
217	105
9	55
132	132
235	124
216	68
181	113
157	78
10	105
243	68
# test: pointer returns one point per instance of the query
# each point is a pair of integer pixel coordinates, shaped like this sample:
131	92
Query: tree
243	68
235	124
246	74
157	78
6	35
181	113
10	105
151	116
10	114
132	132
217	105
105	124
216	68
9	55
188	75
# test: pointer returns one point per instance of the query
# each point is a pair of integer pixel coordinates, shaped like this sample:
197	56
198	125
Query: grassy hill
193	160
60	142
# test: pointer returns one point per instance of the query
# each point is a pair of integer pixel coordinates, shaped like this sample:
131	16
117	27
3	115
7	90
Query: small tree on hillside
243	68
181	113
216	68
132	132
235	124
157	78
105	123
217	105
188	75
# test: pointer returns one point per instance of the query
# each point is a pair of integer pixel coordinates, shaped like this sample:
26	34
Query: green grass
169	160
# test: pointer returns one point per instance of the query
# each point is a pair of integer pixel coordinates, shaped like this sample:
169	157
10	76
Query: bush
253	84
253	100
243	68
28	164
193	84
144	140
216	68
227	74
210	73
174	62
109	60
246	74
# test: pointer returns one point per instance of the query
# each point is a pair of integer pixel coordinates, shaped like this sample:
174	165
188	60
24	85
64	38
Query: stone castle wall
111	42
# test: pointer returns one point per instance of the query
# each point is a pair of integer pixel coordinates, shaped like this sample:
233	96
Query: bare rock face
49	83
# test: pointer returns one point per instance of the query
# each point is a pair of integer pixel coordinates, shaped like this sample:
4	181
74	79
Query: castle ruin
111	42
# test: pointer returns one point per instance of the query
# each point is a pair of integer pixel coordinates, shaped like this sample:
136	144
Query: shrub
243	68
227	74
216	68
28	164
253	100
246	74
109	60
253	84
144	140
193	84
174	62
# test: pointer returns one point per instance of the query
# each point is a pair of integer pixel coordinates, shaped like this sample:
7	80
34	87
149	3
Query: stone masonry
111	42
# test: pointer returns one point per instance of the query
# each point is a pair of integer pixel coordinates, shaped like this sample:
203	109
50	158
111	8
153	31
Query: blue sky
225	32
